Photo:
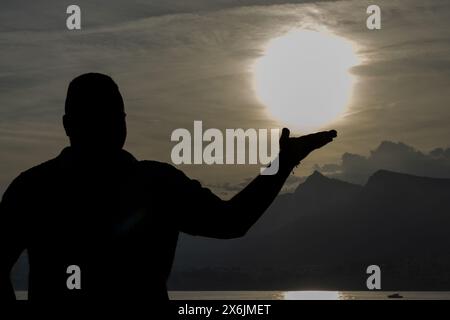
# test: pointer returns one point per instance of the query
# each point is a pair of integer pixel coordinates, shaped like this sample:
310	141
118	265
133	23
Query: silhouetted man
97	207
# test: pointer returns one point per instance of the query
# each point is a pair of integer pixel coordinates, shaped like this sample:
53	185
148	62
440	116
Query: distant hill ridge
326	232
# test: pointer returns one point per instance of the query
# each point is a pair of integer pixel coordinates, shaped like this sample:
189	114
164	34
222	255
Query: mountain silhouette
305	240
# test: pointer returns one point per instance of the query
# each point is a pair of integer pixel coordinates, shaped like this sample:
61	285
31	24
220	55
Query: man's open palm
293	150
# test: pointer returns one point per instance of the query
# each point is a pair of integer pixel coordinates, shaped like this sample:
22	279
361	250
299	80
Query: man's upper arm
199	210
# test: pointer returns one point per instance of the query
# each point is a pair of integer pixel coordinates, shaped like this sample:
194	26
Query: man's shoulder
26	178
43	169
159	168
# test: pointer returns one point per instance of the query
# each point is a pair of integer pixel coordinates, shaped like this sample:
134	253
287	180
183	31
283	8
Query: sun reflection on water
311	295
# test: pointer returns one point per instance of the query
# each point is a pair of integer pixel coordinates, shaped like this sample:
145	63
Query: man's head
94	117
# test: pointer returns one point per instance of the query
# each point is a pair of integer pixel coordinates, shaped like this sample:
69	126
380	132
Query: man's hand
294	150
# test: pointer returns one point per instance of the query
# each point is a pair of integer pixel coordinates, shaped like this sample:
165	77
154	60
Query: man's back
115	220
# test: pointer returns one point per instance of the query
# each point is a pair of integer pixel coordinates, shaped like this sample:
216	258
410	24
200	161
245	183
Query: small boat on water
395	296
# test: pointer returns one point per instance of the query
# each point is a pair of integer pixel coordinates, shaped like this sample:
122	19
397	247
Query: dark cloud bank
392	156
355	168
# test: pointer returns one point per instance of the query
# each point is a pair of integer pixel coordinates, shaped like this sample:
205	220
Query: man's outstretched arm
233	218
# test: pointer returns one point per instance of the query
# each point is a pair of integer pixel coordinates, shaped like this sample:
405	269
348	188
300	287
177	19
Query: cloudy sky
177	61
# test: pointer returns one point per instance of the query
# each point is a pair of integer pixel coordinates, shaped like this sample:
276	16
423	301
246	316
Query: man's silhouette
117	218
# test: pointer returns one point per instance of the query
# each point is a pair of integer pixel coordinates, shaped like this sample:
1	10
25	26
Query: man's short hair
93	93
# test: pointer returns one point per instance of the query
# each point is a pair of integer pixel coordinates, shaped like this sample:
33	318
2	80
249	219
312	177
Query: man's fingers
315	140
319	136
308	142
323	135
322	138
326	135
333	133
298	148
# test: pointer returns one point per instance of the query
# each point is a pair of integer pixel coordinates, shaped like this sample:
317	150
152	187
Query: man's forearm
249	204
245	208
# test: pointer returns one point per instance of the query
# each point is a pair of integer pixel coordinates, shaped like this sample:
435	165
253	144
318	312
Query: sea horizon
297	295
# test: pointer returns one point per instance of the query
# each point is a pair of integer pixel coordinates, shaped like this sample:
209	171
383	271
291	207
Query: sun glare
303	78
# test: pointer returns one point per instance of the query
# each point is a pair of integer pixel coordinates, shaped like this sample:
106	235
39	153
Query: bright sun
303	78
